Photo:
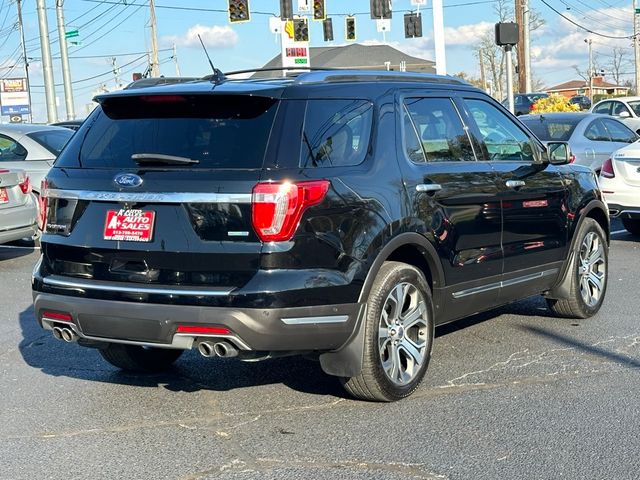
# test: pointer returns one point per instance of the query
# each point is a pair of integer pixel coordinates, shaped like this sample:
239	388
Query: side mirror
558	153
624	114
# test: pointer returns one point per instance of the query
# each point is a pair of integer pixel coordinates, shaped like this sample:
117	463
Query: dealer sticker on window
129	225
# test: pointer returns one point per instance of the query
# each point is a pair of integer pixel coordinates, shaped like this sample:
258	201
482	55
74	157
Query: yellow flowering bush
554	103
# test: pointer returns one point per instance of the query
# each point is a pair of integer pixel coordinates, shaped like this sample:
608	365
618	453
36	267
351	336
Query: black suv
341	214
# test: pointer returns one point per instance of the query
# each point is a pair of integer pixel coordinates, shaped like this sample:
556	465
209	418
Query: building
360	57
581	87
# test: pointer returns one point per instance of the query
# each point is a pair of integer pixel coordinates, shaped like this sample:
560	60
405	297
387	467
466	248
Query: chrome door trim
314	320
504	283
149	197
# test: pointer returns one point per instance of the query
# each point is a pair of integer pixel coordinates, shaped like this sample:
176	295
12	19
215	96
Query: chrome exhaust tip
57	333
68	335
225	350
206	349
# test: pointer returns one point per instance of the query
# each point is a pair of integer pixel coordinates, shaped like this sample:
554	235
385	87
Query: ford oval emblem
128	180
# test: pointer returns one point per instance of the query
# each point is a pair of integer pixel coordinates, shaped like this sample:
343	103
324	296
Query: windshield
635	106
216	131
52	140
551	129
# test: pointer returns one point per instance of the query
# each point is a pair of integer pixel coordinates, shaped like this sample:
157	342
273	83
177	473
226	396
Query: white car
620	184
625	109
18	207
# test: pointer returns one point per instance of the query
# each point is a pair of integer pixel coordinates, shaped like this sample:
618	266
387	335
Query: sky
120	29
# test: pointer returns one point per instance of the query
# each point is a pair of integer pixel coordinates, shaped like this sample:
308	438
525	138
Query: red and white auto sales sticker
129	225
4	196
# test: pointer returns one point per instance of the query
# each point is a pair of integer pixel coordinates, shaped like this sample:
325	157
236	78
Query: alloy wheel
592	269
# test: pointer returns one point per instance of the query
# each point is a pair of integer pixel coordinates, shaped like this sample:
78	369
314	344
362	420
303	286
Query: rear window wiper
161	158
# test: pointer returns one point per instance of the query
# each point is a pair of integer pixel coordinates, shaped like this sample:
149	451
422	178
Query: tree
476	82
618	64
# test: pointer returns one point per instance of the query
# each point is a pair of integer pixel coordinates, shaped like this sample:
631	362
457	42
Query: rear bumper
19	222
317	328
17	233
623	211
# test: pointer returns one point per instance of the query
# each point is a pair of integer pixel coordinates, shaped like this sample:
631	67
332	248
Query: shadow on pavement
9	252
190	373
585	347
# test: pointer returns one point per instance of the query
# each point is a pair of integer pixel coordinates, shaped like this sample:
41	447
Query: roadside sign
14	96
294	54
71	34
15	119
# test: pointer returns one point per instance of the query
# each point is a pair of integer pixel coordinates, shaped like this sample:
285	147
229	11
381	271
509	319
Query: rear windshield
547	130
218	131
52	140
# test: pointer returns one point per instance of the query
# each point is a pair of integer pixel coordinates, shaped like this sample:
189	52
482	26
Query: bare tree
618	63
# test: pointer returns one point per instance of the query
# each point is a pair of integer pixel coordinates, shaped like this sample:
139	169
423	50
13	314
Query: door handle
515	183
428	187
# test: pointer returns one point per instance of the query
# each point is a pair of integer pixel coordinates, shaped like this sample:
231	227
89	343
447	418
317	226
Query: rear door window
336	133
619	132
597	132
217	131
604	107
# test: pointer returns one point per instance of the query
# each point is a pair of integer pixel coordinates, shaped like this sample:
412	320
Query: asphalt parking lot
511	394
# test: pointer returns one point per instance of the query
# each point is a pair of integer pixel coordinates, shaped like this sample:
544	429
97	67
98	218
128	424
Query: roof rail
374	75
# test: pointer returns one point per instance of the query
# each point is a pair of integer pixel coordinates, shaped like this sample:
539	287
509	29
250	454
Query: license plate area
4	196
127	225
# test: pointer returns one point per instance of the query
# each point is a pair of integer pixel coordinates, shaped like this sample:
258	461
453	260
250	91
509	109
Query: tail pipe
218	349
65	334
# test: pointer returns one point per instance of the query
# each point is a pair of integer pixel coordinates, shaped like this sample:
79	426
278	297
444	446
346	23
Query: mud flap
347	361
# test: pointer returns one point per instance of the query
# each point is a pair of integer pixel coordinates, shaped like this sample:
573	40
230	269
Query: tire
135	358
396	353
589	274
632	225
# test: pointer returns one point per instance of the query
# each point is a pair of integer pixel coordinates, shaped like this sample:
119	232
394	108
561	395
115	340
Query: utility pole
520	48
636	43
49	86
483	75
64	58
116	71
175	60
24	57
507	51
590	72
438	37
526	40
155	63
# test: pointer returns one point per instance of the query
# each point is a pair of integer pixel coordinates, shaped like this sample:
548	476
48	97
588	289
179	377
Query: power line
581	26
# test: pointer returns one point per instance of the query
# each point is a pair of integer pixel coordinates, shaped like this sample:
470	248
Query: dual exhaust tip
65	334
217	349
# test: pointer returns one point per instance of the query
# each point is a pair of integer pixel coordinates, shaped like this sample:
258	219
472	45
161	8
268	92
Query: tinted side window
502	138
440	130
10	150
619	132
604	107
597	132
336	133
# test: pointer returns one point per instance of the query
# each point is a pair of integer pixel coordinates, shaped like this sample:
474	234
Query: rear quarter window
336	133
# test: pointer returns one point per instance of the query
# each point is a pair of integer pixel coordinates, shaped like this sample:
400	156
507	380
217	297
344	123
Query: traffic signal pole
49	86
64	58
438	37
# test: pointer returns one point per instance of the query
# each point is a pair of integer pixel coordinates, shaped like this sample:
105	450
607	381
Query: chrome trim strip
149	197
504	283
96	285
314	320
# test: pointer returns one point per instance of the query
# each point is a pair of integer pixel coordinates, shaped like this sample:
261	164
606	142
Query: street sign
419	3
294	54
637	11
72	34
14	96
75	43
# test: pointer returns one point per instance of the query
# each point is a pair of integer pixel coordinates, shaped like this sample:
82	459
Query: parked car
523	102
18	207
620	183
32	148
592	138
187	216
626	109
72	124
582	101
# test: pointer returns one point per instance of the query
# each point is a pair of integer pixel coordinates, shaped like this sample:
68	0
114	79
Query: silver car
18	206
625	109
32	148
591	137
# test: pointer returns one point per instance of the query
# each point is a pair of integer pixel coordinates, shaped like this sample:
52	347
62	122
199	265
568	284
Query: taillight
57	316
607	169
202	330
25	186
276	208
43	203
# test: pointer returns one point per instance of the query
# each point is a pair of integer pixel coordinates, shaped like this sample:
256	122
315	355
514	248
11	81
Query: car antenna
218	76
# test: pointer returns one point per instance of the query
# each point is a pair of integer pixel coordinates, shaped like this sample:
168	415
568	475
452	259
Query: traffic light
319	10
350	29
239	11
286	9
380	9
412	25
300	30
327	26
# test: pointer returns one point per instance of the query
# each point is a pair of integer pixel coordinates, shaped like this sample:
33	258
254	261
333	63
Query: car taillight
25	186
43	203
276	208
607	169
